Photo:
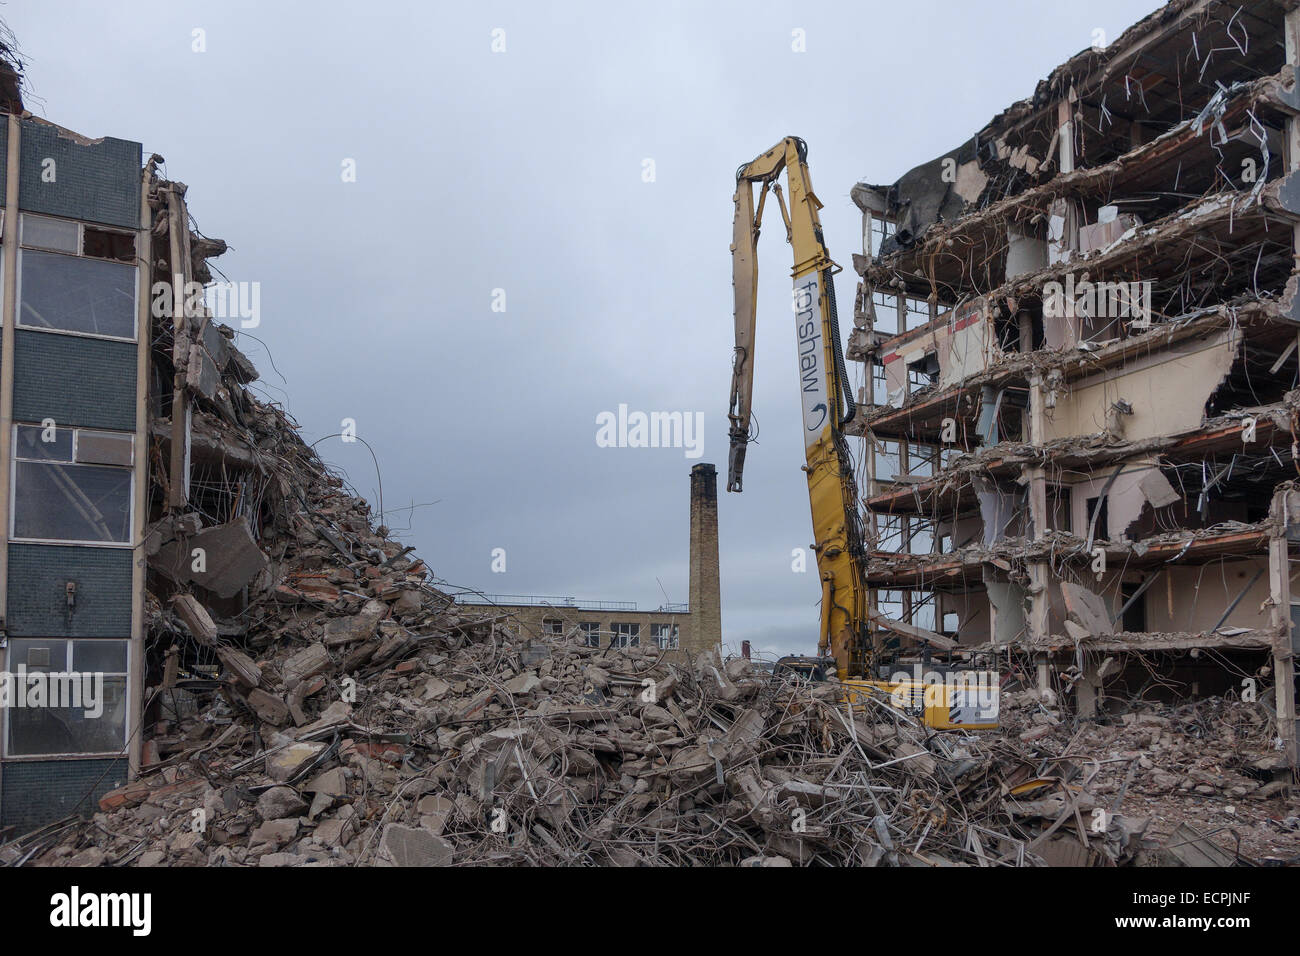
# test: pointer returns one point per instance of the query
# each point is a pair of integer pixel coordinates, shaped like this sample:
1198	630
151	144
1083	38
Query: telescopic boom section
826	402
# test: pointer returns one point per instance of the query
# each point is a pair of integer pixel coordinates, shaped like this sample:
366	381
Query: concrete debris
712	763
1205	776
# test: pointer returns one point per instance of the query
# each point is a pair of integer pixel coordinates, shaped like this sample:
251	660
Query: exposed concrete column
178	232
1037	621
1283	513
705	591
144	331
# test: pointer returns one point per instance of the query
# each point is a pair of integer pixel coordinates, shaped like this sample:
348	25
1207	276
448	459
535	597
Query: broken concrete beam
308	662
196	618
286	762
223	559
268	707
241	666
1087	608
408	846
359	627
915	633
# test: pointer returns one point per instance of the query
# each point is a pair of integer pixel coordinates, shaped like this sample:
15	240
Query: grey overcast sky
522	171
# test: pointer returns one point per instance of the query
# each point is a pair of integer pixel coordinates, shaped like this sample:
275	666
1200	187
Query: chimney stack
706	595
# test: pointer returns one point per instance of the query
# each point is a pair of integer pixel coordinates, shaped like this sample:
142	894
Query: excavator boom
839	541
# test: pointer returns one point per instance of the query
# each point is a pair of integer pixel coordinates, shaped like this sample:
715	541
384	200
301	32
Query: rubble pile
1212	763
466	743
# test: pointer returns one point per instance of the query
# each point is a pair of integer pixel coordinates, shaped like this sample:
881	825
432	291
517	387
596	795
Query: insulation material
1167	391
997	508
1060	245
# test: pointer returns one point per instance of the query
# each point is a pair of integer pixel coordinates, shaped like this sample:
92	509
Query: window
920	536
590	633
920	460
918	313
71	484
66	696
881	229
890	604
75	278
886	306
665	636
923	373
923	610
879	384
889	459
1097	518
626	635
75	238
1135	618
889	533
552	625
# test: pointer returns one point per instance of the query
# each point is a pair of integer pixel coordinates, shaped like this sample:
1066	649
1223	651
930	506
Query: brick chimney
706	597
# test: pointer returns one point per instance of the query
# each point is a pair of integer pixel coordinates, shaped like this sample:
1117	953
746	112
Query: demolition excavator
848	647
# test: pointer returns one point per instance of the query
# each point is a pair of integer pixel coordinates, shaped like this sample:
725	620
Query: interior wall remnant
1140	483
1007	600
1192	599
970	345
1025	254
973	613
1167	391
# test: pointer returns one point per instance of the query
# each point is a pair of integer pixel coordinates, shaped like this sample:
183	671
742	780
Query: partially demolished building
1081	332
159	520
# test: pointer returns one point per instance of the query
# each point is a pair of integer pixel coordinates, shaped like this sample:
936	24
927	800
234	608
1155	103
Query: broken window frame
880	230
69	665
916	313
552	626
666	636
19	456
24	247
590	633
625	634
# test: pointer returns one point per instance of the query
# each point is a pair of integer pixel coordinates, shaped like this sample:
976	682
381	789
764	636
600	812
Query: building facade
73	371
594	623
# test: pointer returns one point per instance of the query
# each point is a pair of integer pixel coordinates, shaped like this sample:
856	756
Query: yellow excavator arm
827	404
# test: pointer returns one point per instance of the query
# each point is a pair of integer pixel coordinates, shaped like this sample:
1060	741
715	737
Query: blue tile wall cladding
95	180
74	380
34	793
38	598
